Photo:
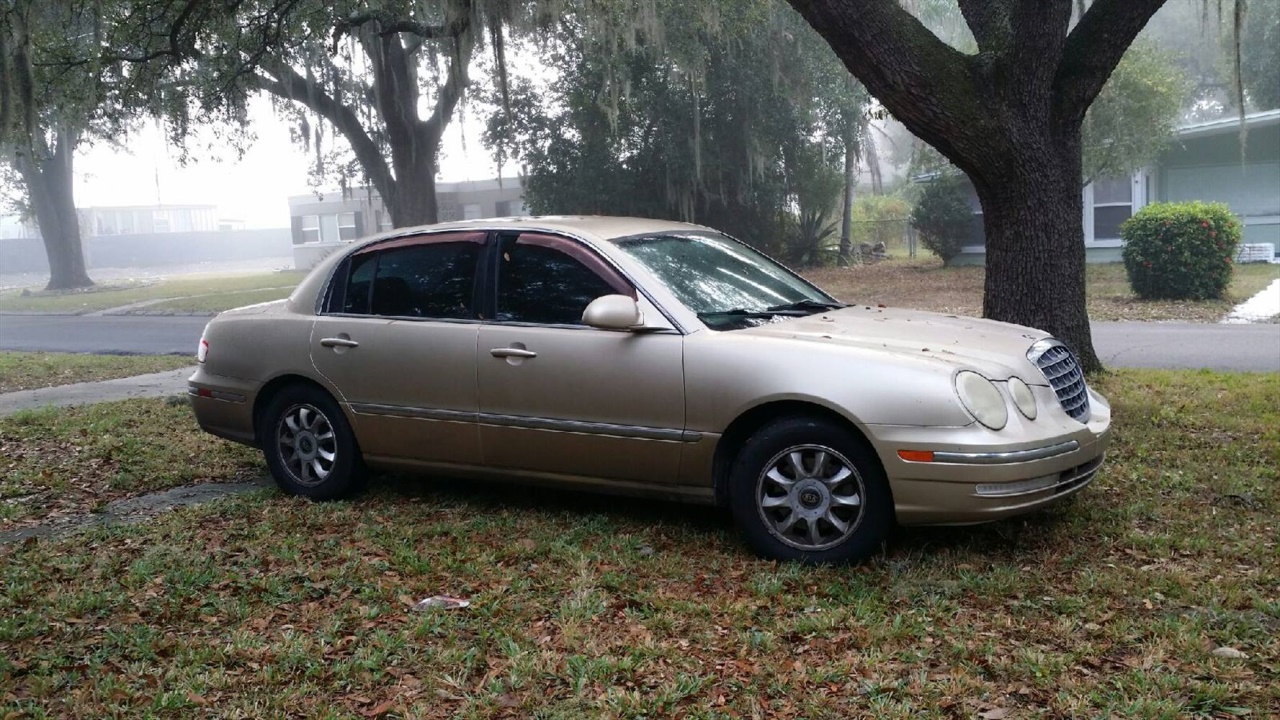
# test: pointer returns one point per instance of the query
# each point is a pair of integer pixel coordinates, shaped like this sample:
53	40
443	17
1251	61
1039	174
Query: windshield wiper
745	313
807	304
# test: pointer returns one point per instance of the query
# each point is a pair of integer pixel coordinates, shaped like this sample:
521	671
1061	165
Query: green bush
1180	250
943	216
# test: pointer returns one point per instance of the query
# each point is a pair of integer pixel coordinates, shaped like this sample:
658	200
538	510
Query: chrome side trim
413	412
1000	458
529	423
578	426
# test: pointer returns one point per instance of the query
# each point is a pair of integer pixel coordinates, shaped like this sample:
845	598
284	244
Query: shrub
1180	250
943	217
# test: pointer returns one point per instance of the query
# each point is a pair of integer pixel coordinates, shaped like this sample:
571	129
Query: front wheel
308	444
809	490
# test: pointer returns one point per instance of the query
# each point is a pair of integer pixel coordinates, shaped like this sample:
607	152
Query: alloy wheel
810	497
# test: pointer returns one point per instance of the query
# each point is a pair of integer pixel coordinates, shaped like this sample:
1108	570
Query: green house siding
1209	168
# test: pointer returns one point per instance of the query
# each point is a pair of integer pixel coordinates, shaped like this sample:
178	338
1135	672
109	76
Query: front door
562	398
398	341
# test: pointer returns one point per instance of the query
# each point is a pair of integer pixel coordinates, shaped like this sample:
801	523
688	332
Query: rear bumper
973	480
223	406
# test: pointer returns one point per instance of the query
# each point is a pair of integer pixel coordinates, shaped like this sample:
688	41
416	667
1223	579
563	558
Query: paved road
1161	345
1188	345
129	335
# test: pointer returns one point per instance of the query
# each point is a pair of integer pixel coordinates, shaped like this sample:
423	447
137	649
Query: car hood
995	349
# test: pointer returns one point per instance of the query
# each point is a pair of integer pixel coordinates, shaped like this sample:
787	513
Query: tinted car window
359	282
538	284
409	279
432	280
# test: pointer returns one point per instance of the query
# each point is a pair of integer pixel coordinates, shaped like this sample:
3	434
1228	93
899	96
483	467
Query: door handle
339	342
509	352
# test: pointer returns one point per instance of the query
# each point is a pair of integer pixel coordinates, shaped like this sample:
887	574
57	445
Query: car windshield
728	284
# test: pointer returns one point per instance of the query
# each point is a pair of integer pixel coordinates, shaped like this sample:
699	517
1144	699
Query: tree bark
50	191
1032	217
1009	116
850	190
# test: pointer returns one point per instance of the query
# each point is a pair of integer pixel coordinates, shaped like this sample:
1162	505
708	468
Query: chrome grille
1063	372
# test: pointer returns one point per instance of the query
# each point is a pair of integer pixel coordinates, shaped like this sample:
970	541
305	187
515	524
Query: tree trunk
873	159
412	197
1032	217
50	191
850	189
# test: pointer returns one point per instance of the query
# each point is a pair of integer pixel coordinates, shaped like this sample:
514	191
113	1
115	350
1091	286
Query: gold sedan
649	357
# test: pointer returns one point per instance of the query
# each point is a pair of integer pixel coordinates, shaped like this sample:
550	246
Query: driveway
1119	344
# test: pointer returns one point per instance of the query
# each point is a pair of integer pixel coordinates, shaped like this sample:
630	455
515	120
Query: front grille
1063	372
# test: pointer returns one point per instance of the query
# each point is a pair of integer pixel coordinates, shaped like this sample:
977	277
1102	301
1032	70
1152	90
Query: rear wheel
308	444
807	489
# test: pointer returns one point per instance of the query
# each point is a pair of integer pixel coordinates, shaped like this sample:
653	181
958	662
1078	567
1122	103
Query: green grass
190	286
264	606
30	370
65	461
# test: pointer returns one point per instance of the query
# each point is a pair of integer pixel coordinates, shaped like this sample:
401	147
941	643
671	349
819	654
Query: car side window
413	277
542	284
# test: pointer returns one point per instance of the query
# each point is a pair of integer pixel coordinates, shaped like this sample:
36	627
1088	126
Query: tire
309	446
808	490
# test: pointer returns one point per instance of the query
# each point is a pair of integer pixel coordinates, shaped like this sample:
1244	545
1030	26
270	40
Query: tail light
202	351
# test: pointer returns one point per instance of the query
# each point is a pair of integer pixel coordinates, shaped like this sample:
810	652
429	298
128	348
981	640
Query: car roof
598	226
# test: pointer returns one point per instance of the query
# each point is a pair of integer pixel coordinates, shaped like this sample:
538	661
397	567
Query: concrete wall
22	255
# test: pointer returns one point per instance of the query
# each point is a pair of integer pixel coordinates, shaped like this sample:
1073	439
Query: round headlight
981	398
1022	397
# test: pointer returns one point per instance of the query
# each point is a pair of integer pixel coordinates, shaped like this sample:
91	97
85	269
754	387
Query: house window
310	228
1112	203
160	221
347	226
329	228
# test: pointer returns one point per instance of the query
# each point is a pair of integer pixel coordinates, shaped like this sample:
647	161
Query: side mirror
613	312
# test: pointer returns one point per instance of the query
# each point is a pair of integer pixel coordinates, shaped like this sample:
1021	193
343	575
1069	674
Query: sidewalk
170	382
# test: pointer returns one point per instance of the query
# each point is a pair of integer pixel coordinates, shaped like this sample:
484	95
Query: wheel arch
273	387
750	421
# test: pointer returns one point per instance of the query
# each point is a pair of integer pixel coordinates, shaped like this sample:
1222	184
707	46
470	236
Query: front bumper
978	475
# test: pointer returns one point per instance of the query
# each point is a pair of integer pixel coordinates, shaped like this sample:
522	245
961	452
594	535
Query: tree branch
925	83
288	84
455	84
1092	51
389	24
989	21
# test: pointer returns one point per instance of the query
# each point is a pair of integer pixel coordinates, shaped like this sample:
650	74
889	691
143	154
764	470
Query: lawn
214	292
30	370
57	462
264	606
926	285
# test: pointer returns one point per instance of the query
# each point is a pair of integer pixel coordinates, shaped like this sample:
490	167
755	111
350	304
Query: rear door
398	341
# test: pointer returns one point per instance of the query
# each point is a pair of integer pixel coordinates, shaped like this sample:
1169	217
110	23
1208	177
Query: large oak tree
47	110
386	76
1009	116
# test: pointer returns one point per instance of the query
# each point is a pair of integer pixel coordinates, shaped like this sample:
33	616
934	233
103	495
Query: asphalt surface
107	335
1119	344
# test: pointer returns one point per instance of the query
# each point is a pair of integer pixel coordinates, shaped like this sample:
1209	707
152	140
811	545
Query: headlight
1022	397
981	398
